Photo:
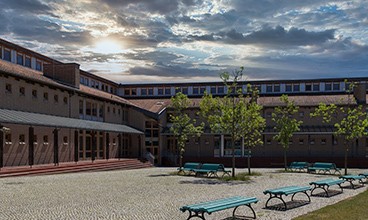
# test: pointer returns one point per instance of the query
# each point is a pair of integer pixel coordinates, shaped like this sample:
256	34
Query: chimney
66	73
360	93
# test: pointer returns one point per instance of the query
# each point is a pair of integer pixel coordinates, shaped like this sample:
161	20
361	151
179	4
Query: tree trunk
249	161
285	159
233	159
346	158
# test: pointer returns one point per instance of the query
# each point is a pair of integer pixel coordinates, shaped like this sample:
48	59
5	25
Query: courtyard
151	193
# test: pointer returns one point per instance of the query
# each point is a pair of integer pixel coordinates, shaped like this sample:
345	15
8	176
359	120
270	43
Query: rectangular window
86	81
111	90
22	139
7	55
126	91
288	88
202	90
160	91
65	139
20	59
143	91
82	80
97	85
195	90
308	87
28	62
88	108
94	109
81	107
296	87
38	65
315	87
134	91
301	141
276	88
100	112
150	91
184	90
8	139
45	96
45	139
167	91
56	98
213	89
34	93
22	91
65	100
328	86
177	90
8	88
336	86
220	90
269	88
113	110
93	83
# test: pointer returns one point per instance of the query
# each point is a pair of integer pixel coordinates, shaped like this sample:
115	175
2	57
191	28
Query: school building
52	112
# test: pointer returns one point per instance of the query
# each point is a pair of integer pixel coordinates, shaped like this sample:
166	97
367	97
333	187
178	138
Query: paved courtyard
143	194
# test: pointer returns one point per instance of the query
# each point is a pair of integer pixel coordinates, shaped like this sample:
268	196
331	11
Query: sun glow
108	47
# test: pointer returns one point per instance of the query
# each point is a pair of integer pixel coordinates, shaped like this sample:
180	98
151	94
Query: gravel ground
150	193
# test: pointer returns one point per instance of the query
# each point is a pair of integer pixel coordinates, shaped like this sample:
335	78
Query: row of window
22	92
302	141
200	90
97	85
21	59
22	139
97	110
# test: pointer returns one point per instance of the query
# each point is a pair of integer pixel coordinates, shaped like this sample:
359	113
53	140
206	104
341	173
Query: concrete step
100	165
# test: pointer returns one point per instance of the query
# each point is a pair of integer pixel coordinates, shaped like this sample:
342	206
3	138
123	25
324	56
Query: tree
286	125
182	125
352	126
232	115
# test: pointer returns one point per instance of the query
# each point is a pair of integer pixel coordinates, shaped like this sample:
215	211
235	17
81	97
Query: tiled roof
28	74
101	94
157	105
308	100
36	76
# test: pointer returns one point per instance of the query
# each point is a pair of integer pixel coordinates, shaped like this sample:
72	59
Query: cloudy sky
139	41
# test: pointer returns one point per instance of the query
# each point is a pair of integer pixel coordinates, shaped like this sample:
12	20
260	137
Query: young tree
182	125
286	125
232	115
351	127
252	131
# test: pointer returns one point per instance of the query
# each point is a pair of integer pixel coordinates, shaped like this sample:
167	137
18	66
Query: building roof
35	119
29	74
308	100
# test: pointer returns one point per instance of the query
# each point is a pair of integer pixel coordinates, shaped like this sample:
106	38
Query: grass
353	208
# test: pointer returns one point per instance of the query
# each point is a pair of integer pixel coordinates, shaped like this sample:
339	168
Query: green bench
211	169
285	191
298	166
352	178
325	184
189	167
198	210
319	167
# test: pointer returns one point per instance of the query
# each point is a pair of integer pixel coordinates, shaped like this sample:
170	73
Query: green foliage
234	114
183	126
351	127
286	125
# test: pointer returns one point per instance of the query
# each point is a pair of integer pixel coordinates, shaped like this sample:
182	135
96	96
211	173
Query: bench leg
196	215
323	187
305	192
276	197
243	216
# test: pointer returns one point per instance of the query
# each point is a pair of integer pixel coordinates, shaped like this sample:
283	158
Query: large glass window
150	91
296	87
213	89
20	59
160	91
315	86
7	55
202	90
167	91
143	91
336	86
88	108
276	88
28	62
328	86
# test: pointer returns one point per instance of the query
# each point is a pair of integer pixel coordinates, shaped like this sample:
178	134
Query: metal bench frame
200	209
285	191
188	167
212	171
298	166
325	184
351	178
325	167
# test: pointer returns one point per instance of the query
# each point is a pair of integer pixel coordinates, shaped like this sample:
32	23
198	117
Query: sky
152	41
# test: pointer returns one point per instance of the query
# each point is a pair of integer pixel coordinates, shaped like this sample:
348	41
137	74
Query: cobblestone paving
143	194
